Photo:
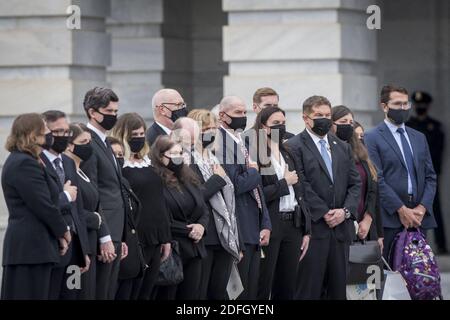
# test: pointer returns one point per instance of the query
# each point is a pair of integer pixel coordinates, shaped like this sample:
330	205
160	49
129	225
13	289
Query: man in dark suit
406	178
168	105
332	190
251	211
101	106
266	97
433	131
61	169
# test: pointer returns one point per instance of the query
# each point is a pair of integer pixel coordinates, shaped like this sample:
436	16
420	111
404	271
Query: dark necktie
59	171
409	160
110	150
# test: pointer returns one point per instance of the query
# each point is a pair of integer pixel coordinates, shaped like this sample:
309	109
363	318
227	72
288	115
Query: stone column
301	48
43	64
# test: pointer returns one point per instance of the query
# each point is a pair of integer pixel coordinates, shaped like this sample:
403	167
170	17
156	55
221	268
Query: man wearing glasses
407	181
62	172
168	106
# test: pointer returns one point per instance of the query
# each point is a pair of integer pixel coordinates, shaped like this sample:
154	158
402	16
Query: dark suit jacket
393	175
153	132
104	172
180	218
251	220
35	221
275	188
321	193
71	211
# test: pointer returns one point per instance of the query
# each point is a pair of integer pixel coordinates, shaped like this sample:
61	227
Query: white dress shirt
166	130
393	128
317	139
287	202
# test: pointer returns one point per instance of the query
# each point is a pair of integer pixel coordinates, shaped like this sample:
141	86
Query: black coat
71	211
179	220
275	188
104	172
35	221
153	132
321	193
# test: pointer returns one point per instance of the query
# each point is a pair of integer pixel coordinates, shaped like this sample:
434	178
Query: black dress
89	194
153	224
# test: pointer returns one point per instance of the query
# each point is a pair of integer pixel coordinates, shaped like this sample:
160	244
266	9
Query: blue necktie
326	157
409	160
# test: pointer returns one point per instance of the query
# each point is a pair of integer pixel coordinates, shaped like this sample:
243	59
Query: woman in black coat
289	215
188	213
368	215
37	235
153	225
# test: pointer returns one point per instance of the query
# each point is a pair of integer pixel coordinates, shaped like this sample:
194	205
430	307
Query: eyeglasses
62	133
400	104
178	106
263	106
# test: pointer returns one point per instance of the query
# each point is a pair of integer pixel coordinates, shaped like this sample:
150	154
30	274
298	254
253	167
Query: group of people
116	199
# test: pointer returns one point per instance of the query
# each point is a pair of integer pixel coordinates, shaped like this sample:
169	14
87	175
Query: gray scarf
223	206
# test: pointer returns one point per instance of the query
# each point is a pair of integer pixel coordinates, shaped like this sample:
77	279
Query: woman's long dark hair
263	160
359	150
159	147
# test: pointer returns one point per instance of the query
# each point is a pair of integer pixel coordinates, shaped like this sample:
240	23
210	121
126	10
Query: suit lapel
387	135
334	155
313	148
414	144
107	152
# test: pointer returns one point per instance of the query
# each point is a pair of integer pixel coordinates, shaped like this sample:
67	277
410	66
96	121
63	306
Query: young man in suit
332	189
406	177
168	106
101	106
61	169
251	211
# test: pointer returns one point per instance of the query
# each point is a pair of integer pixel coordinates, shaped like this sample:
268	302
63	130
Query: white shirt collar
236	139
100	134
51	157
316	139
167	130
393	127
143	164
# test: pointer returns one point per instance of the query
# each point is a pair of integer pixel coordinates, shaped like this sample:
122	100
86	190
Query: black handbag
362	255
171	270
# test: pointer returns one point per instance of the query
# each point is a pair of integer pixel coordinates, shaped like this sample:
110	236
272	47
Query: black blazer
371	205
321	193
275	188
153	132
35	221
71	211
104	172
179	220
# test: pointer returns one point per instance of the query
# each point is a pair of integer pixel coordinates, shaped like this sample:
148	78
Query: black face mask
109	121
60	144
237	122
177	114
48	141
136	144
175	165
83	151
321	126
398	116
208	138
281	132
421	111
344	131
120	162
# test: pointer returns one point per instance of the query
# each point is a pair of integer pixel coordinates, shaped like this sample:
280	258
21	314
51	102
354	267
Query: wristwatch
347	213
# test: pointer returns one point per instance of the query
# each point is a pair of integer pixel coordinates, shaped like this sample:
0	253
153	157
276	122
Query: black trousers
249	271
279	267
107	275
189	288
322	274
152	255
128	289
26	282
216	270
88	280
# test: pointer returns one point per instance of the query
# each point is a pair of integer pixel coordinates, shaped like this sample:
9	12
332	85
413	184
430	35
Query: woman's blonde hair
24	131
204	117
123	130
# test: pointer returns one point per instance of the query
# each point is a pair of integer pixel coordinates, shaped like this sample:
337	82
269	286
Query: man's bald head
230	102
231	107
185	131
166	96
164	101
